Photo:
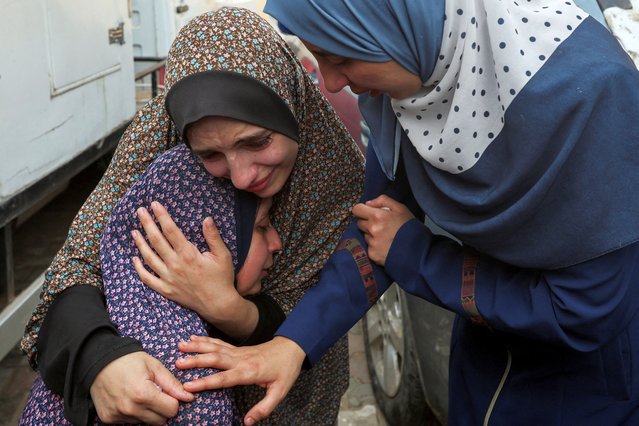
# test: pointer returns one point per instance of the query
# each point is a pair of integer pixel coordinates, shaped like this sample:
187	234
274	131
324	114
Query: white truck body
64	85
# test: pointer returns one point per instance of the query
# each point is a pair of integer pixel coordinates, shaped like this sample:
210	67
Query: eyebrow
246	139
321	52
262	218
265	216
318	50
324	54
253	137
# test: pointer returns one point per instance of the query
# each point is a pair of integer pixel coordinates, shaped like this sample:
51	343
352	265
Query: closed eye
336	60
209	155
259	143
263	228
329	57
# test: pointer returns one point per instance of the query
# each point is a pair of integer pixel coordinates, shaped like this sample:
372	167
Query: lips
358	90
259	185
370	92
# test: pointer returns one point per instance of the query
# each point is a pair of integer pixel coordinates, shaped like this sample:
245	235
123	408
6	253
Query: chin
255	289
269	191
266	193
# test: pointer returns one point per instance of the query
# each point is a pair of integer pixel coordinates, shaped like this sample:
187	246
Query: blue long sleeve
581	306
328	310
339	300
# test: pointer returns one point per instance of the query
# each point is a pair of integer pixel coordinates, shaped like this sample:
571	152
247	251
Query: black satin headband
232	95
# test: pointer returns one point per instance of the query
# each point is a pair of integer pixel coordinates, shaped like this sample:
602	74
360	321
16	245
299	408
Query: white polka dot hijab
522	141
489	51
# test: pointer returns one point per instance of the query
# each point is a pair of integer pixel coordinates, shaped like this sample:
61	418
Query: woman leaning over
513	125
312	191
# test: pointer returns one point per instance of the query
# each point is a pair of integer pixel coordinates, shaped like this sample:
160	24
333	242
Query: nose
334	80
274	240
240	171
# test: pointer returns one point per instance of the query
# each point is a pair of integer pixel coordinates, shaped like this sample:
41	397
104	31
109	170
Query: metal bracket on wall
116	35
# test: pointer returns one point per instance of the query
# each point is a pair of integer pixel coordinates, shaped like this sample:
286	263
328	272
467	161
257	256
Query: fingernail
154	204
134	234
249	421
140	211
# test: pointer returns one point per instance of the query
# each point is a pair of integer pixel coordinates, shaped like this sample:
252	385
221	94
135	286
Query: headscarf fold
519	143
310	213
236	96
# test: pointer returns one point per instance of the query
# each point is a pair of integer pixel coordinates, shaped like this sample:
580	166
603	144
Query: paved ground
358	403
37	240
15	381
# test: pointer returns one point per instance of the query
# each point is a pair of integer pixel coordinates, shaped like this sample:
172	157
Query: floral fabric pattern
179	182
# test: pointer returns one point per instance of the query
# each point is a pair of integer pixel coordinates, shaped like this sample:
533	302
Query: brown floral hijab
313	208
311	212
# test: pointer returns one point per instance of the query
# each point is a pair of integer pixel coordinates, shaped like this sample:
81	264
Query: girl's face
259	259
256	160
373	78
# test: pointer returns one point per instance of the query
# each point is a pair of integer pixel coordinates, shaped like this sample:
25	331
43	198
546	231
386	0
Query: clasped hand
379	220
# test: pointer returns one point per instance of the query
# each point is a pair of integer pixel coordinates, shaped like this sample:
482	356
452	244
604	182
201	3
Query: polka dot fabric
490	50
178	181
311	212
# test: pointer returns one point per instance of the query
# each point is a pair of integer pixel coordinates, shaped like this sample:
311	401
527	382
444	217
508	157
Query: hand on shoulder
274	365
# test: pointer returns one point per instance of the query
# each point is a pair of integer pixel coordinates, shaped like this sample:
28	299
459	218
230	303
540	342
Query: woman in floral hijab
310	211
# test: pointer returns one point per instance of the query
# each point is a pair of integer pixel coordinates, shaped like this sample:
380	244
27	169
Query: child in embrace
175	184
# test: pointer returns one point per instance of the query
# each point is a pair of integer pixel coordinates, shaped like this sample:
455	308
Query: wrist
221	308
293	351
237	317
